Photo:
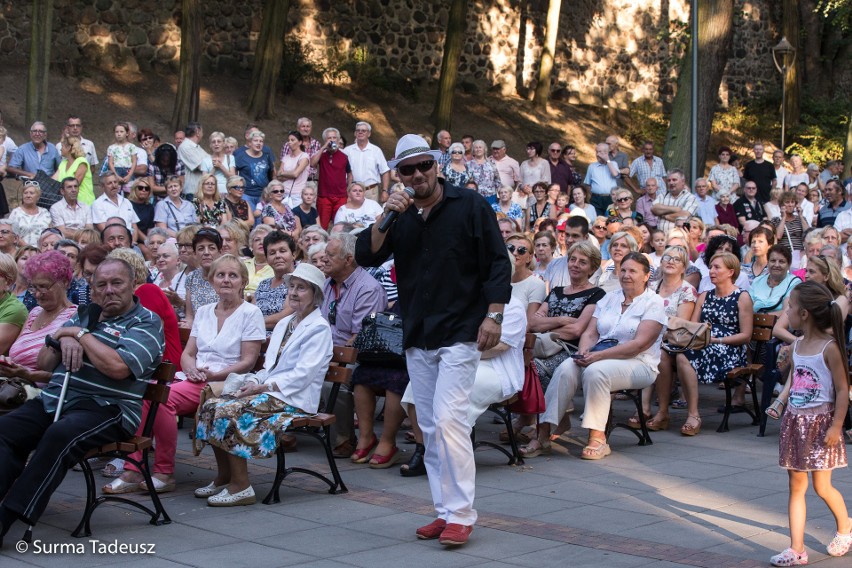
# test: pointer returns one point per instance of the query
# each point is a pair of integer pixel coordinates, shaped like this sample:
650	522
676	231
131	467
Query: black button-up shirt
449	268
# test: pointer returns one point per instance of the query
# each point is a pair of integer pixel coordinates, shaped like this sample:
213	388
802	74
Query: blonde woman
218	162
28	219
74	164
209	205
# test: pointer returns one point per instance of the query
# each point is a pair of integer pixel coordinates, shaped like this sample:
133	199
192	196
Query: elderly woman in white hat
256	409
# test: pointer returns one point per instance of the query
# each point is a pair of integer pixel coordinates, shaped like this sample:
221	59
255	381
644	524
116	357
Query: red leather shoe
363	455
455	534
432	530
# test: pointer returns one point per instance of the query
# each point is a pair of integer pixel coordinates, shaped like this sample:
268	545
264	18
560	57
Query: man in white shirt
368	163
507	167
780	171
706	204
74	127
112	204
192	155
67	214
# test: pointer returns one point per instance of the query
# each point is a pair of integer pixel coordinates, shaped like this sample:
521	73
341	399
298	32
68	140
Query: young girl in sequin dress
811	438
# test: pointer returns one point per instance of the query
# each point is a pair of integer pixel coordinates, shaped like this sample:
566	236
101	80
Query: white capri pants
600	379
442	381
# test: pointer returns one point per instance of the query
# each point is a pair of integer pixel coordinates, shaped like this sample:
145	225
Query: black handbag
380	340
12	394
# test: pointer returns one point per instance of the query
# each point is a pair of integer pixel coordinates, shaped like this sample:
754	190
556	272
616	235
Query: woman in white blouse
723	176
630	318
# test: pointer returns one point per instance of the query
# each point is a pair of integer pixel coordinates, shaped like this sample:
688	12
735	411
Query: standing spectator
748	208
678	203
256	165
444	140
706	203
833	205
74	127
601	177
798	174
295	169
781	171
790	232
74	165
335	175
622	161
219	163
68	215
121	156
761	172
192	156
560	172
507	167
311	145
456	169
724	176
28	219
368	163
648	166
569	156
535	168
484	172
36	155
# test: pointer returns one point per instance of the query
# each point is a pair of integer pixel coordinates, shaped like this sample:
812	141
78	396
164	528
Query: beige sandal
535	448
599	451
691	428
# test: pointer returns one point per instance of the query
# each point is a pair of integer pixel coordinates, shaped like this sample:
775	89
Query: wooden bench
156	393
501	409
749	374
318	427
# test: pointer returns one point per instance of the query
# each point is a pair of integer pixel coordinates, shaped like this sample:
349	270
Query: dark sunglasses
143	188
422	167
623	199
332	312
456	152
239	187
277	191
521	250
600	227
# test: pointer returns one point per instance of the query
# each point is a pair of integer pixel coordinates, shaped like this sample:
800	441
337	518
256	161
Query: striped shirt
137	337
686	201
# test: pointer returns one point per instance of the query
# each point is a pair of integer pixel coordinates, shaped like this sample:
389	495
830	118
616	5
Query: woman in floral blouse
209	205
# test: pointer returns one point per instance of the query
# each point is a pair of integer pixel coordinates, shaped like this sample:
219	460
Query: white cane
62	394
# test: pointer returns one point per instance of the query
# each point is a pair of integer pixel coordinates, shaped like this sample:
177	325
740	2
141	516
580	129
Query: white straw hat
308	273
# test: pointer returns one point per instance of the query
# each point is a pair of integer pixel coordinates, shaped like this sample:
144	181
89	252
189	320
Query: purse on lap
380	340
682	334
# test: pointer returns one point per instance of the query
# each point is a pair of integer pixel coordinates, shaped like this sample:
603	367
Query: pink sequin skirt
801	441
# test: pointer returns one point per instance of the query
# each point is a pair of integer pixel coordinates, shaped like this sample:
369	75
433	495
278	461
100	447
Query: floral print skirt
245	427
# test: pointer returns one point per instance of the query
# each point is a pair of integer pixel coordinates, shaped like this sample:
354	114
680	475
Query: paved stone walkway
715	500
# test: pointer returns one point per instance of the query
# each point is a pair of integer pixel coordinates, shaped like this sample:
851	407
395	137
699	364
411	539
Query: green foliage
836	12
646	122
298	67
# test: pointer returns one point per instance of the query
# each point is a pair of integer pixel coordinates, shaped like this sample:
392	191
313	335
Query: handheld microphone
391	217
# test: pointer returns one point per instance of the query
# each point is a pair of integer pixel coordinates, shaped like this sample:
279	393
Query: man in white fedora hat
453	276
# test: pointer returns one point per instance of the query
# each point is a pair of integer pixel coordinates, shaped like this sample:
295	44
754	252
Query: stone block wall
609	51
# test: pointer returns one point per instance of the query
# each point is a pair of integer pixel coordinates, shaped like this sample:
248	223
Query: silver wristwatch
496	316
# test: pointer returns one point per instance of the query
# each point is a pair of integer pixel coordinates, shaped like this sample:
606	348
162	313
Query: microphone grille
409	191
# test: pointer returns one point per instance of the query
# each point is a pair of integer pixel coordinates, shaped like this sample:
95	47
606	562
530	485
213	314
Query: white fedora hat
412	145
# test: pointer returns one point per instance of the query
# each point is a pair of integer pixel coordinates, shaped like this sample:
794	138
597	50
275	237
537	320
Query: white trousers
599	380
442	381
487	390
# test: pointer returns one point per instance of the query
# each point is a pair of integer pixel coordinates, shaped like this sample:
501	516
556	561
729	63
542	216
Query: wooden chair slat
338	375
344	355
157	393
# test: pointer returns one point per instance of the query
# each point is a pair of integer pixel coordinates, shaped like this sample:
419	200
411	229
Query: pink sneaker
840	544
790	557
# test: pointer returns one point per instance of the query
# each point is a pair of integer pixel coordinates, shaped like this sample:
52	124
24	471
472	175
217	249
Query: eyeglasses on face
600	227
670	258
513	248
623	199
38	131
456	152
185	245
422	167
40	289
276	191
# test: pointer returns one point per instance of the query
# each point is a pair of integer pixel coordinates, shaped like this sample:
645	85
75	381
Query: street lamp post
786	52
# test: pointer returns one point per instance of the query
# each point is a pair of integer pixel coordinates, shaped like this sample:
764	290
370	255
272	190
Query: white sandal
209	490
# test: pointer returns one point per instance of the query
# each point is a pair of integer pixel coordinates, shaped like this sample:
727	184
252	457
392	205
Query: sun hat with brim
308	273
410	146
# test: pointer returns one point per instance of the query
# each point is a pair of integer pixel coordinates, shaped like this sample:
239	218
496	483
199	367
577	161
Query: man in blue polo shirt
601	177
110	362
38	154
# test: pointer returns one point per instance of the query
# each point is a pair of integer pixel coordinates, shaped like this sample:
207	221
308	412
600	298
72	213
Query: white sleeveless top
812	383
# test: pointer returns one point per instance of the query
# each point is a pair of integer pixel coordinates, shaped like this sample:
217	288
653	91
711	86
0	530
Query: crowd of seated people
238	247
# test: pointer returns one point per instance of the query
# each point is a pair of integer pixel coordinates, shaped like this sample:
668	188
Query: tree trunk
542	88
812	53
793	79
715	32
187	100
39	68
267	59
442	113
